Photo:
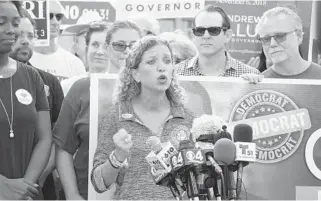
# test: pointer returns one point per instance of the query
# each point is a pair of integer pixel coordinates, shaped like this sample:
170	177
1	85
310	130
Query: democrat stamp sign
285	116
278	124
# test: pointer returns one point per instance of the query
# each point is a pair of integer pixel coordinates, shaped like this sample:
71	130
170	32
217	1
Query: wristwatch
115	162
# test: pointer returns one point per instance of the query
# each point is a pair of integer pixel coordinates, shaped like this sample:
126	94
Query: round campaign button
24	96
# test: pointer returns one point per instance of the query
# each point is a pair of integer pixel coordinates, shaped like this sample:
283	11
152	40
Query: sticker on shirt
24	96
47	90
127	116
179	133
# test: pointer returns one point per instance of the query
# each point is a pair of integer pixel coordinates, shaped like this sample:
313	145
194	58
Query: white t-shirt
61	63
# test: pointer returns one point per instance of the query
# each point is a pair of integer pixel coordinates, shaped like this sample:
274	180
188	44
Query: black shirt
28	98
54	93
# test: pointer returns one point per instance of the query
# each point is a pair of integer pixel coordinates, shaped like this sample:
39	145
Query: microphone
224	152
159	160
184	164
243	133
206	127
245	151
206	130
159	157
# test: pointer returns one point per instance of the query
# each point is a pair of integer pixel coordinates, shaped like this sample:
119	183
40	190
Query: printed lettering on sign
278	124
39	11
75	9
158	9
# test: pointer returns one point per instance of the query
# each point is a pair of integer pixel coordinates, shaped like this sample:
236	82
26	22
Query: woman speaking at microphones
148	101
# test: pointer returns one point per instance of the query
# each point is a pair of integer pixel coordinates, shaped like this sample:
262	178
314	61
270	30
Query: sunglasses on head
213	31
120	46
278	37
58	16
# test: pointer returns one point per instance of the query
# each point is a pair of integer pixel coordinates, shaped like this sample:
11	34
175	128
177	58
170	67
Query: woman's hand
123	143
17	189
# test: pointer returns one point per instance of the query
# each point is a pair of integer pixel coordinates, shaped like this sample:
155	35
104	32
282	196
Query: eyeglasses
213	31
58	16
121	47
278	37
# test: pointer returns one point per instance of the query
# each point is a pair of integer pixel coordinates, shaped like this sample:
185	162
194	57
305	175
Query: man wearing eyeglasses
54	59
280	32
212	32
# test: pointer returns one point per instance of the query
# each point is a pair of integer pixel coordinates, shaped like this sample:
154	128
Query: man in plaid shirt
212	32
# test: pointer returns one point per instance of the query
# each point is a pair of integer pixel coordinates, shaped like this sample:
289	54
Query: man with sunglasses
54	59
212	32
280	32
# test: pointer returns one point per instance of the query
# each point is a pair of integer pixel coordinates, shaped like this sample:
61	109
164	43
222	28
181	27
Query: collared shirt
135	182
233	68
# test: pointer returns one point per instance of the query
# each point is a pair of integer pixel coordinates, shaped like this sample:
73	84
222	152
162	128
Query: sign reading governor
158	7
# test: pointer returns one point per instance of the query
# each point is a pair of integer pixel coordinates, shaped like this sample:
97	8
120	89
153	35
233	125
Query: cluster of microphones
203	169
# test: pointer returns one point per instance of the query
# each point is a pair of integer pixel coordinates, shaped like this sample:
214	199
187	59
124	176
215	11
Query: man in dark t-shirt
22	51
280	31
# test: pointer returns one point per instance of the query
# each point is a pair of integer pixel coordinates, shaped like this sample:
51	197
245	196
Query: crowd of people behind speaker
34	73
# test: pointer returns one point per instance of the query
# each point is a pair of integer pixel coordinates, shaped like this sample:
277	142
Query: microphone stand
239	180
209	186
175	191
192	191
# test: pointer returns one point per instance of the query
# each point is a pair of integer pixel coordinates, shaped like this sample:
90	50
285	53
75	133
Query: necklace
11	134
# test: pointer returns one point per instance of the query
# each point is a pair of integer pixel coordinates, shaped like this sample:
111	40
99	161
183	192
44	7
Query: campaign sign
75	9
39	11
159	9
285	116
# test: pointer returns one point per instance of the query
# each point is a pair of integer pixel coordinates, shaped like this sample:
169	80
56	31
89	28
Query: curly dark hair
126	87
